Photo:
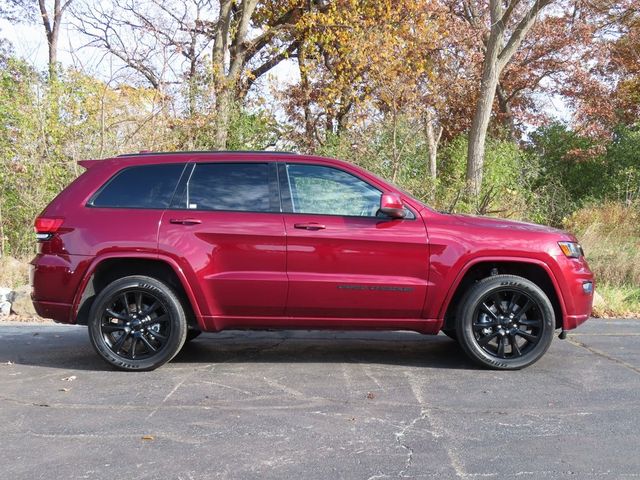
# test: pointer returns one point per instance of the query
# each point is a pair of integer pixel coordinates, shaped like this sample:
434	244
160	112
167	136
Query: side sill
420	325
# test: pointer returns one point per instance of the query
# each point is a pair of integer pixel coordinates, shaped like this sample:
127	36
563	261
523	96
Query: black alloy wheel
137	323
505	322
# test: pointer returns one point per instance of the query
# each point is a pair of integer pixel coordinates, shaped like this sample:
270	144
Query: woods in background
524	109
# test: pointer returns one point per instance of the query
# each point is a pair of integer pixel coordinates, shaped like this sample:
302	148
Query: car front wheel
137	323
505	322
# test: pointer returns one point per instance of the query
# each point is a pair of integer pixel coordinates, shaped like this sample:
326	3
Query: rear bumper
58	312
54	283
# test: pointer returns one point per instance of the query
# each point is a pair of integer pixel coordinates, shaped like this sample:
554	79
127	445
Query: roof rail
148	152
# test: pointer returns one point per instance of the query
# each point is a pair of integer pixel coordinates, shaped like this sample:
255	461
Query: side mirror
391	205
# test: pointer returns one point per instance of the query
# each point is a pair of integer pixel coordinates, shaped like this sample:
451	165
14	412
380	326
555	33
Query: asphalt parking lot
319	405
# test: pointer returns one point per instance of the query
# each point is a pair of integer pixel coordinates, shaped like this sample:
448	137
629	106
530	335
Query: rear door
343	258
226	227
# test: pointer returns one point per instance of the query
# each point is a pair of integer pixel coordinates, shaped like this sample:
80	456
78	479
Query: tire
505	322
451	333
192	334
137	323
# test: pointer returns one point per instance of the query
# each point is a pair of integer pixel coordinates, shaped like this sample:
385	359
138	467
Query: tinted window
329	191
230	186
146	186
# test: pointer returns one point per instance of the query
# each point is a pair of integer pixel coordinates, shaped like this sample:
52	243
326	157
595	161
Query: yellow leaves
367	54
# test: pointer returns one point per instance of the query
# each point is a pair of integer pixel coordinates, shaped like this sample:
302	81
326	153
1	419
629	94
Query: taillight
46	227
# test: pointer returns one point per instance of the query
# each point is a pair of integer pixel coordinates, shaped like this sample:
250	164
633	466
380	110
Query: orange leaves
360	53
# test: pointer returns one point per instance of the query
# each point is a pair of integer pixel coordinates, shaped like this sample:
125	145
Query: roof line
264	152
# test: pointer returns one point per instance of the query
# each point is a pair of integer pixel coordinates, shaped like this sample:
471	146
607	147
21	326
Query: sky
29	43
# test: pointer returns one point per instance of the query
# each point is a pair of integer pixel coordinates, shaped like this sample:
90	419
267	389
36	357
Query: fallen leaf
148	437
69	379
64	389
371	395
8	363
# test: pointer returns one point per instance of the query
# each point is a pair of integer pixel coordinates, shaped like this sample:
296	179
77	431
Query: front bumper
578	299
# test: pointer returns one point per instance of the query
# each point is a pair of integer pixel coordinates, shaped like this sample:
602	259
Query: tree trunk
505	111
309	126
52	30
497	55
53	57
434	133
478	133
224	106
481	118
396	154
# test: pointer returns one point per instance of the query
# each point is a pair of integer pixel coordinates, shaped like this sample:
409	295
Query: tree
449	93
50	14
626	64
363	60
503	38
246	38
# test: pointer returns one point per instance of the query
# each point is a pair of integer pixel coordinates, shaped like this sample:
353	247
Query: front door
343	258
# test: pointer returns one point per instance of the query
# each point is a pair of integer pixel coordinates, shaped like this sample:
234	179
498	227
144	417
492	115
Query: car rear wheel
505	322
137	323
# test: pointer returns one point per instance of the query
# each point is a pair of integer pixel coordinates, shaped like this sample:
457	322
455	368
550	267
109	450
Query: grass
618	301
610	236
13	273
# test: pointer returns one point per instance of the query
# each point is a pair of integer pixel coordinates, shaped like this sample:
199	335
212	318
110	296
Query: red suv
148	250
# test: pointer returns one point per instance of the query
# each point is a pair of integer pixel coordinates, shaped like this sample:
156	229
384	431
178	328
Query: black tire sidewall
170	302
467	309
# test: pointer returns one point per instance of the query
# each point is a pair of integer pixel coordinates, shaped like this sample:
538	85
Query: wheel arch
107	268
534	270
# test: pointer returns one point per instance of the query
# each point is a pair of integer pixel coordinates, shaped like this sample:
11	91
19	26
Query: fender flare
177	270
488	259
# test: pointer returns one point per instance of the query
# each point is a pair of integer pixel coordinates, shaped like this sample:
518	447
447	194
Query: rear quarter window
144	186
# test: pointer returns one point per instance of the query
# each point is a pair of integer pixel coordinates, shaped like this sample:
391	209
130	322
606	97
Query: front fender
440	299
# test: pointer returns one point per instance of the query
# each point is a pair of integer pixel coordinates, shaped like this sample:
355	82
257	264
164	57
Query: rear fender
179	272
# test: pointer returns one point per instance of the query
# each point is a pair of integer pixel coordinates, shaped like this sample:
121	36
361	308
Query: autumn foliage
391	85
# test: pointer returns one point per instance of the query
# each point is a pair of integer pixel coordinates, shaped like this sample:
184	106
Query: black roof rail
265	152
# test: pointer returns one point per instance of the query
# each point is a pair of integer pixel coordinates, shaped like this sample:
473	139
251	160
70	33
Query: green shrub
508	173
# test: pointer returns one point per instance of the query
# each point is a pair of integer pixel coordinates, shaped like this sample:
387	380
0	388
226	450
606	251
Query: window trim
272	177
113	177
287	201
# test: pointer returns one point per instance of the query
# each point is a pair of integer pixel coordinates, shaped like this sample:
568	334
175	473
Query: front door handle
185	221
309	226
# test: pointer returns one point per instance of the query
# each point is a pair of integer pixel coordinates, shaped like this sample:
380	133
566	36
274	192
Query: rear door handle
185	221
309	226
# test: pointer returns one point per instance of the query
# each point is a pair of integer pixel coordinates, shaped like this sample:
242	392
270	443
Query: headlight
571	249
